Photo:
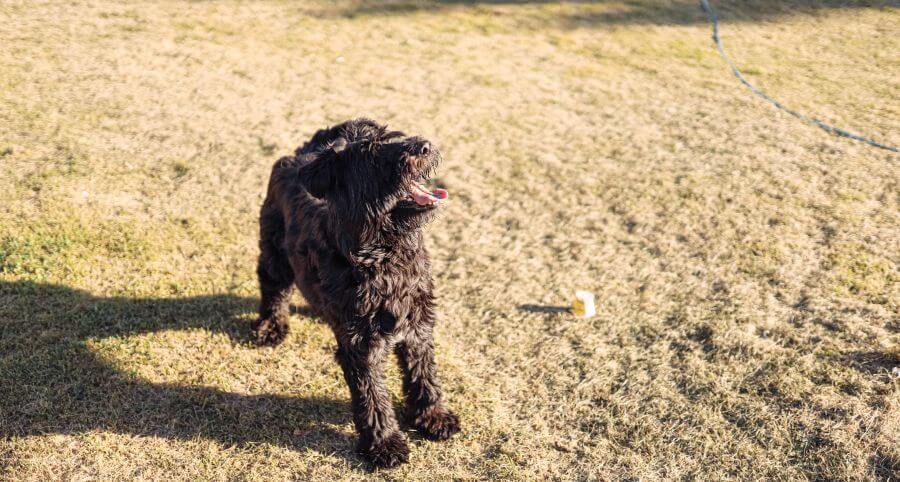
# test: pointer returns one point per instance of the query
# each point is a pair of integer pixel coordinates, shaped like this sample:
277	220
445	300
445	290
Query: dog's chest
392	291
393	282
382	285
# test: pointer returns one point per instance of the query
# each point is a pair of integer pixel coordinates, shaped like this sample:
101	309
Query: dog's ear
321	139
319	177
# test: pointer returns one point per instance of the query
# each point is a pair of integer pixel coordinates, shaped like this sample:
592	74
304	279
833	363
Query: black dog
343	221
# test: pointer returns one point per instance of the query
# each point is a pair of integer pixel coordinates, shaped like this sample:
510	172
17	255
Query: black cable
704	4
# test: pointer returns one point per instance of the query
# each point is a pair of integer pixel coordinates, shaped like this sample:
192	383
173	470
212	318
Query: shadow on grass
871	362
884	466
584	13
545	309
50	382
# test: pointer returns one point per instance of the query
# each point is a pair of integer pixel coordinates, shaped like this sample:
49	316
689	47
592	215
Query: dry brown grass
746	265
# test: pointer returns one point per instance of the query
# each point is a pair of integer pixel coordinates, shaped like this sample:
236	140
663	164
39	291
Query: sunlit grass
745	264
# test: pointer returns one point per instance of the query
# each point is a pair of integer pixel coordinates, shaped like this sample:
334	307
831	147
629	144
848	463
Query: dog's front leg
424	407
380	439
276	281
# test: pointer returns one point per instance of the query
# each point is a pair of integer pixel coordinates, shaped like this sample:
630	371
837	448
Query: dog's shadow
50	382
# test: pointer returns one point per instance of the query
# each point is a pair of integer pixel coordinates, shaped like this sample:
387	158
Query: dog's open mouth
420	194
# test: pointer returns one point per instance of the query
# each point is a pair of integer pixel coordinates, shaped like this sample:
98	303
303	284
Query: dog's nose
425	148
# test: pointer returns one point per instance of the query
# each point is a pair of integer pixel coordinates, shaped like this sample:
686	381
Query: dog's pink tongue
424	198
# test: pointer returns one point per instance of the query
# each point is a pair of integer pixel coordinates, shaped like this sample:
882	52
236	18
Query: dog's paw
436	423
388	452
269	332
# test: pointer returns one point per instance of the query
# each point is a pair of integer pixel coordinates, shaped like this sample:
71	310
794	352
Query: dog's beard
408	217
414	204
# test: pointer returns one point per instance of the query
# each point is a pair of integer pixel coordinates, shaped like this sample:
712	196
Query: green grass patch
63	249
858	271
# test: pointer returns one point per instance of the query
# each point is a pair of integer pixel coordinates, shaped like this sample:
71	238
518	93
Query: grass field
747	266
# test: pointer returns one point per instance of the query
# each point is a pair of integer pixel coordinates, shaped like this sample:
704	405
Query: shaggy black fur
339	222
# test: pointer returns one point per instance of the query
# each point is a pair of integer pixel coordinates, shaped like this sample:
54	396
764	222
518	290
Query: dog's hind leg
380	439
276	282
424	408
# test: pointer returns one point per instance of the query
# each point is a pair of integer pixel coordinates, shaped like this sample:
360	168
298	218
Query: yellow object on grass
583	306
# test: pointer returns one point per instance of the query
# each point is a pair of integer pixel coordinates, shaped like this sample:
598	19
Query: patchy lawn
747	266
